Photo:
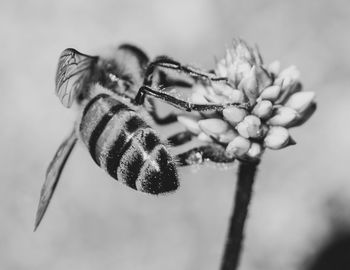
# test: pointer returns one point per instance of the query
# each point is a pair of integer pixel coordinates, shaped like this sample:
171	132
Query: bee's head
122	69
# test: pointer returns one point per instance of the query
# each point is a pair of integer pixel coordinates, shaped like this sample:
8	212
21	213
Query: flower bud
263	78
213	126
255	150
221	68
274	67
288	76
242	129
257	56
304	116
238	147
263	109
236	96
271	92
243	52
249	85
277	138
190	123
204	137
283	117
288	91
300	101
199	98
222	88
211	96
253	127
234	115
199	88
228	57
231	72
242	69
227	136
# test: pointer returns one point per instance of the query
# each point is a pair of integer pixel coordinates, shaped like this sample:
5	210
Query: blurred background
300	204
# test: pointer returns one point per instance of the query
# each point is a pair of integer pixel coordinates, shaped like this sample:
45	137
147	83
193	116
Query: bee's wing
53	175
72	70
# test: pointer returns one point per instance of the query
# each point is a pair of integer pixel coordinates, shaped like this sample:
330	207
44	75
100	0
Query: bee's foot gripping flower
262	104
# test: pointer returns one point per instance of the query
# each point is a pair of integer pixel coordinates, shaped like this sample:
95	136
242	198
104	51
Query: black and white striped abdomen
122	143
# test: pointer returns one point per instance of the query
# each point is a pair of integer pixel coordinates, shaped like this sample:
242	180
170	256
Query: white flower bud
221	69
231	72
227	136
300	101
242	69
288	91
304	116
283	117
211	96
234	115
242	129
249	84
204	137
199	88
274	67
221	88
242	51
238	147
254	125
271	92
236	96
277	138
255	150
198	98
190	123
288	76
263	109
257	56
213	126
228	57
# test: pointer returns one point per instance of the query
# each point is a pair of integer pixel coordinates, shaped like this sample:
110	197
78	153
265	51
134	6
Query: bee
115	125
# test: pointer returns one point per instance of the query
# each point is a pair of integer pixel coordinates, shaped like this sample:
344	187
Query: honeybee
114	124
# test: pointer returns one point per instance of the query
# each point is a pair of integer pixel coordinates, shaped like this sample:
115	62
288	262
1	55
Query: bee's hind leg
198	155
180	138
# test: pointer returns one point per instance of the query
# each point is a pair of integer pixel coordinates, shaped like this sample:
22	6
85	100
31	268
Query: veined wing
53	174
72	71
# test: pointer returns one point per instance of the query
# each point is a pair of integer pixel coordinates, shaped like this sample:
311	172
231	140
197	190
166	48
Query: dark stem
235	235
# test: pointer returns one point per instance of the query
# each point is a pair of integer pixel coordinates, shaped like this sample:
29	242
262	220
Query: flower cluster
260	104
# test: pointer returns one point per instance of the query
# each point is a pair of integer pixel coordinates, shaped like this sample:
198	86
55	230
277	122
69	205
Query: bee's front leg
166	62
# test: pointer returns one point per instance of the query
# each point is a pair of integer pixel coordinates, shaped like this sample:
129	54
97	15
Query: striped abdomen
126	147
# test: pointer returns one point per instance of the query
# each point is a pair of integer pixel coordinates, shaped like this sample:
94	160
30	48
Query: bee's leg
200	154
161	120
180	138
163	79
181	104
169	119
168	63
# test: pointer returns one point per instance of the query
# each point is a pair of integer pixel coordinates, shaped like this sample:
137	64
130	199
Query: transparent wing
73	69
53	174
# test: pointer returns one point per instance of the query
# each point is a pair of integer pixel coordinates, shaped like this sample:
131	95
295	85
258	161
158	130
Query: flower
261	103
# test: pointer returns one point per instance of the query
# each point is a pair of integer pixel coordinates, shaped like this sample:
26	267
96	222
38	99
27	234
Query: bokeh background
301	194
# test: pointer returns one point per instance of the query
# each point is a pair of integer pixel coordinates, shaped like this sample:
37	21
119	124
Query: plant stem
235	235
